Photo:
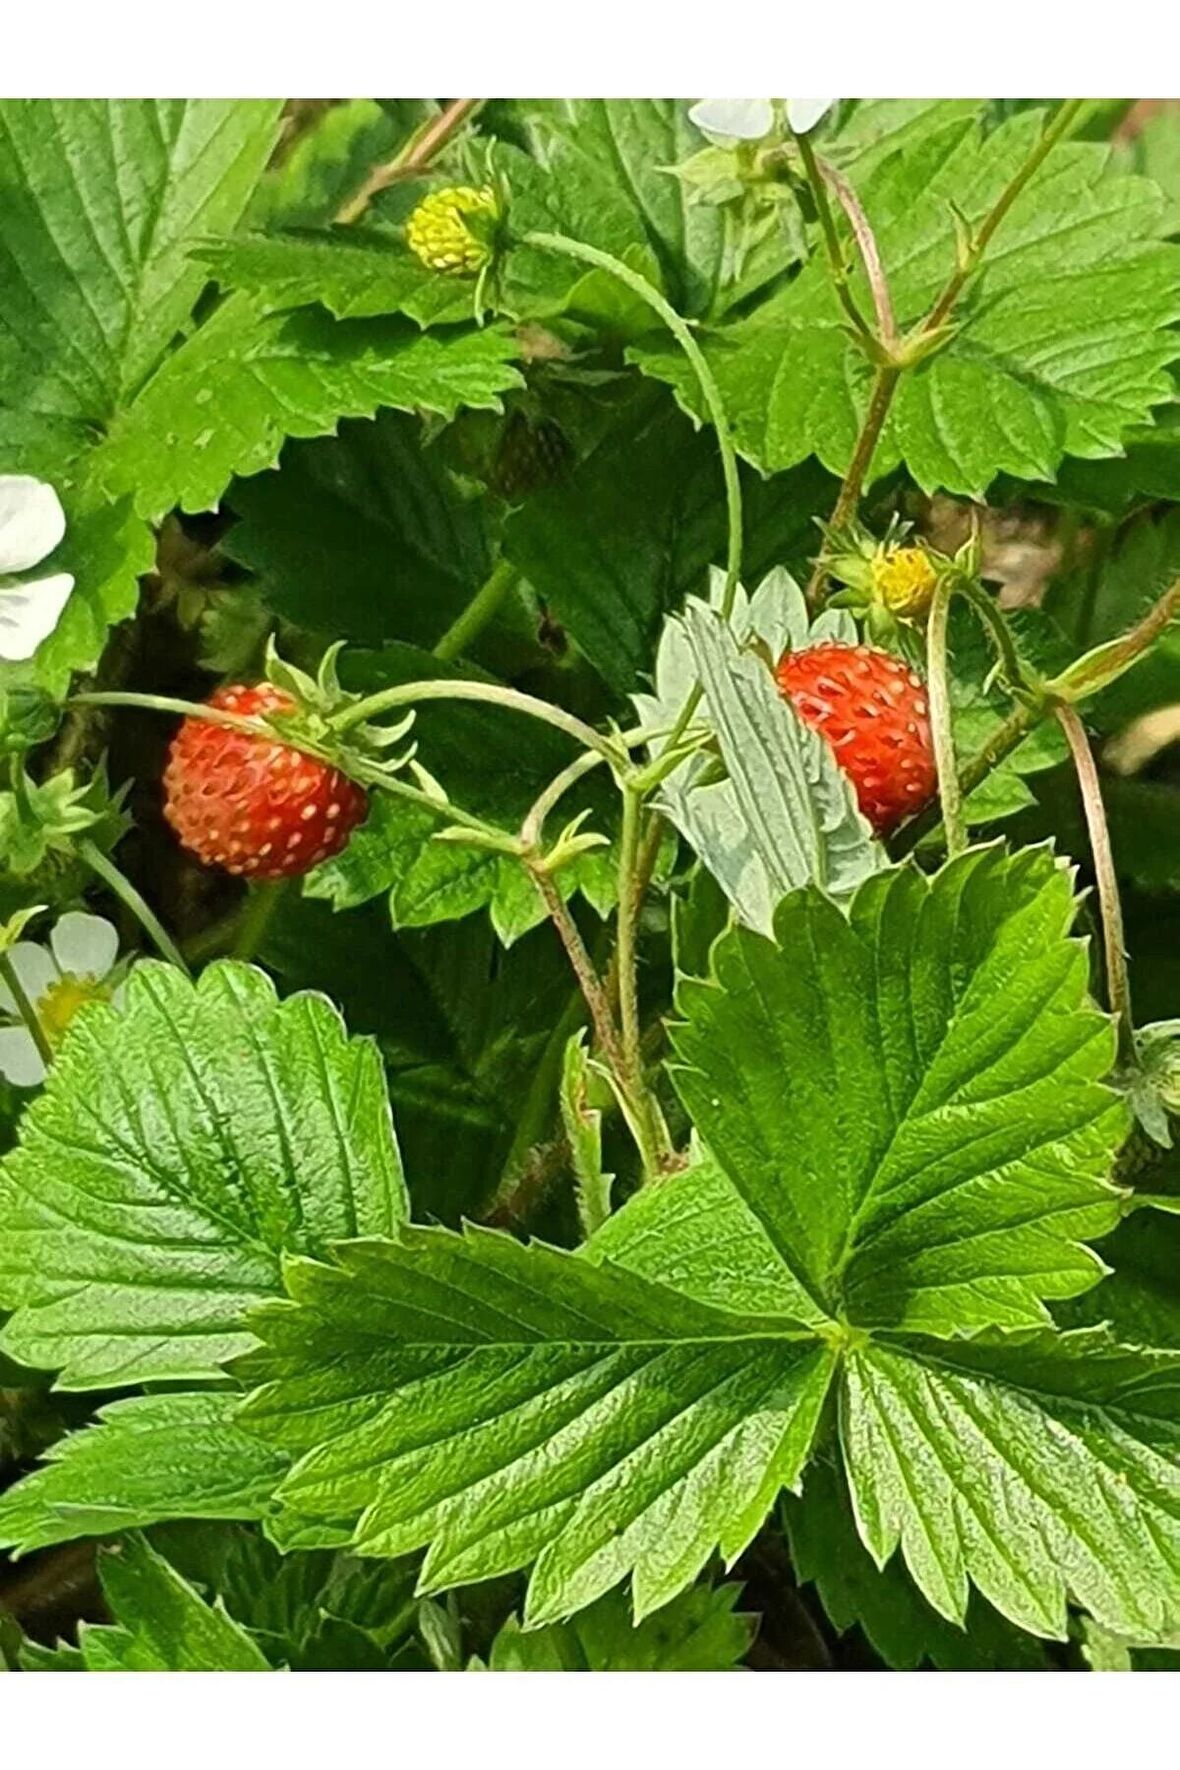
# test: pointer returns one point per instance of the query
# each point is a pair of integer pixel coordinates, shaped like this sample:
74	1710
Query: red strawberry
872	709
252	806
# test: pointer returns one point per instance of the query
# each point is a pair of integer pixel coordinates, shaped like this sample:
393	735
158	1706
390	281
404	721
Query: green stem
262	903
414	157
1118	988
938	690
493	694
866	241
533	824
710	392
880	398
121	887
1060	126
625	936
479	611
163	703
997	630
25	1009
836	261
583	967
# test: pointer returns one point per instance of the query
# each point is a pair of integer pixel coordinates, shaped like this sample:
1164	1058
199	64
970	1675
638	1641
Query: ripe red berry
873	711
252	806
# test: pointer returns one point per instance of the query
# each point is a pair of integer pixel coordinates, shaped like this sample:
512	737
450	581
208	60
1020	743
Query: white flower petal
29	613
20	1059
804	113
32	521
84	946
35	972
736	119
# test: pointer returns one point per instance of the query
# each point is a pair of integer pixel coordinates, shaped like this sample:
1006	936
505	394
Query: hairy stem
413	158
121	887
1118	988
25	1009
625	937
938	691
583	966
866	241
470	623
836	260
880	398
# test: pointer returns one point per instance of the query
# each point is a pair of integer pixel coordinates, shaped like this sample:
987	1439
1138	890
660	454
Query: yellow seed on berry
904	580
451	229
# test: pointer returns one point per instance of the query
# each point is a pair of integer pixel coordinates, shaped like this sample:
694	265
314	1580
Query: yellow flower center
439	234
62	1000
904	580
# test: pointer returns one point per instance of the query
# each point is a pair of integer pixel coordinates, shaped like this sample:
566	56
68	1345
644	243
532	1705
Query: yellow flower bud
438	232
904	580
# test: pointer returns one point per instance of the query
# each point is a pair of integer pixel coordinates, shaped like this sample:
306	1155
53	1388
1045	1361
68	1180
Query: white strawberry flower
32	523
749	119
79	964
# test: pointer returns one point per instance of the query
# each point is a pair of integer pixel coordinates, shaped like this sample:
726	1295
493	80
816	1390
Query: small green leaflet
150	1457
910	1096
700	1631
184	1141
583	1129
506	1404
161	1623
1062	339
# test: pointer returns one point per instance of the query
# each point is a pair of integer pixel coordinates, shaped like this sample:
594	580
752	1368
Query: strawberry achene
253	806
873	711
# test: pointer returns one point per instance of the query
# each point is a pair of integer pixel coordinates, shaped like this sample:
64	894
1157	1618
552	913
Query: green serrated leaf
1039	1469
1061	343
606	1425
224	402
909	1097
184	1141
354	274
162	1624
149	1458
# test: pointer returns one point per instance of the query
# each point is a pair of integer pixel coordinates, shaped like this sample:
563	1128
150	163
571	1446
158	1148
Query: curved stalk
121	887
710	392
471	621
1118	987
407	694
413	158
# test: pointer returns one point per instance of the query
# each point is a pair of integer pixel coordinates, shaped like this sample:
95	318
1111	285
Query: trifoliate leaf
909	1096
506	1404
149	1458
183	1142
700	1631
1039	1469
161	1624
223	403
1062	339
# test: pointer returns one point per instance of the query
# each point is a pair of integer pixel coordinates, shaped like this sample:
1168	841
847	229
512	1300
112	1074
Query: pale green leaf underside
909	1096
509	1405
183	1142
149	1458
1039	1471
1063	338
161	1623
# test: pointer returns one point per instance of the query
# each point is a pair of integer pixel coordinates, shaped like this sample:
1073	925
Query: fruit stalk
938	689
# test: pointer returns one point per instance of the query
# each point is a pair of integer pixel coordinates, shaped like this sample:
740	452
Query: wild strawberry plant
600	1093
